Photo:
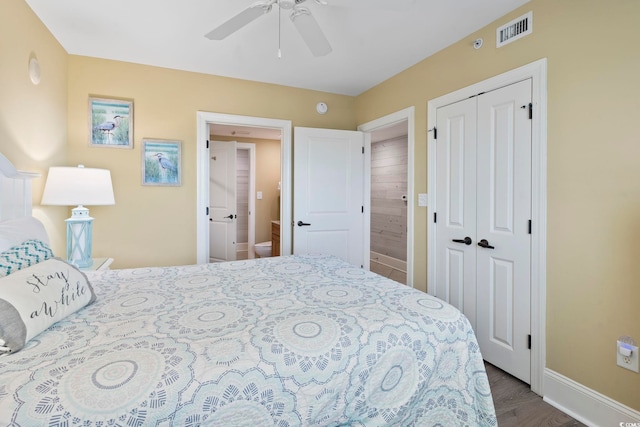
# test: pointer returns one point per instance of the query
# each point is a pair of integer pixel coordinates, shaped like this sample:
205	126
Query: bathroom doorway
389	201
257	164
400	124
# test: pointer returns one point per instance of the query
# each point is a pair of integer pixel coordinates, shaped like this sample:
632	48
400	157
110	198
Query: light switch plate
423	199
259	195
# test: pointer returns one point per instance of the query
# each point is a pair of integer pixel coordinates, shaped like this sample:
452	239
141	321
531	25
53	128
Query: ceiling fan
301	17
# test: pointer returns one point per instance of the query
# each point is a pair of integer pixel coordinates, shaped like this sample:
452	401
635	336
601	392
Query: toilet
263	249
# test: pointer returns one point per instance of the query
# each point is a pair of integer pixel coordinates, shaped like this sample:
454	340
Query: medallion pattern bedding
284	341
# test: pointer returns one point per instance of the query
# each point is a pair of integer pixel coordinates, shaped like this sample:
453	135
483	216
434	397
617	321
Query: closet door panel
456	201
503	214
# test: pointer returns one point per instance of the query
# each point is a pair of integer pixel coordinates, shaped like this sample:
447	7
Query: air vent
514	30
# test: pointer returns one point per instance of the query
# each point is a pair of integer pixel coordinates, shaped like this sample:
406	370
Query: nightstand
99	264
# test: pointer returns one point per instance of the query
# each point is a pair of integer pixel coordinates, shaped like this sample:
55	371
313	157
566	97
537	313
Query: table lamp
68	186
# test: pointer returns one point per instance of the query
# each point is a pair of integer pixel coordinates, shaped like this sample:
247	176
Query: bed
284	341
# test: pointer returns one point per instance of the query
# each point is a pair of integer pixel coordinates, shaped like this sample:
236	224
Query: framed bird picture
110	122
161	162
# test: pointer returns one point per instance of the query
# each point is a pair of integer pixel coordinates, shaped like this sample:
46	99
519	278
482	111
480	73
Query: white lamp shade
69	186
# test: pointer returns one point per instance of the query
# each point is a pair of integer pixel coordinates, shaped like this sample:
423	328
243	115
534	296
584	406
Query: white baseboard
585	405
396	264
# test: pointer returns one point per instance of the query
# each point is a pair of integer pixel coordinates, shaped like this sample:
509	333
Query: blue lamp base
79	237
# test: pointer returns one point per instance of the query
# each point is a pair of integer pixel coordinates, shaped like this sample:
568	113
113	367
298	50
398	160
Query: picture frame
110	122
161	162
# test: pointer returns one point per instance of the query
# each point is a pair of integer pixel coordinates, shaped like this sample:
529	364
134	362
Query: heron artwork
108	127
165	163
167	168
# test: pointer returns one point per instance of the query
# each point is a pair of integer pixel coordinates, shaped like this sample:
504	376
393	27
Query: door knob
485	244
300	223
467	240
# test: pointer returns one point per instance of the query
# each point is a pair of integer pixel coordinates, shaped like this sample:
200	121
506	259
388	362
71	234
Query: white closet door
504	210
483	195
456	201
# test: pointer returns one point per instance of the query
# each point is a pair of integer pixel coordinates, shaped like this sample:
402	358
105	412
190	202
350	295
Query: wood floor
517	405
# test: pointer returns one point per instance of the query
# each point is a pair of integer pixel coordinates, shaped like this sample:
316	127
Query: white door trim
251	234
407	114
537	71
204	119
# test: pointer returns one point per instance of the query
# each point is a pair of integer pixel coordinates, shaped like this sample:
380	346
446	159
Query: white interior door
504	212
222	201
328	193
456	201
483	197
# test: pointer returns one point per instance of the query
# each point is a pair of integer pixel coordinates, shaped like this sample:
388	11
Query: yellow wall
593	241
33	118
156	225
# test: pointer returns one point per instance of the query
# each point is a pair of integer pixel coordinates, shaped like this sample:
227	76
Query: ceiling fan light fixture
301	17
286	4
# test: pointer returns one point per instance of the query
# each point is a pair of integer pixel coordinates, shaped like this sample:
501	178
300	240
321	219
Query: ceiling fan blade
310	31
248	15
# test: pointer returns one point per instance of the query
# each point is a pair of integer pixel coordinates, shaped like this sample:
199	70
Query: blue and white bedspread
286	341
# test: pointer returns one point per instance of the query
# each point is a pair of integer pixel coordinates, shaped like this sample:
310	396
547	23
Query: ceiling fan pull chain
279	32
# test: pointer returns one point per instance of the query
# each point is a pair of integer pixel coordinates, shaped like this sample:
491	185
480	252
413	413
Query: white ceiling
372	40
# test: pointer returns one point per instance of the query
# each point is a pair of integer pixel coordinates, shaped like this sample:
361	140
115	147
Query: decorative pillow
24	255
17	230
36	297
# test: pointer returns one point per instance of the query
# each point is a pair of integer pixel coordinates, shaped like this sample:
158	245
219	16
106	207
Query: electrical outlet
628	362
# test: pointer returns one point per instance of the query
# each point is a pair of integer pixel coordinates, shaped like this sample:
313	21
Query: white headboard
15	190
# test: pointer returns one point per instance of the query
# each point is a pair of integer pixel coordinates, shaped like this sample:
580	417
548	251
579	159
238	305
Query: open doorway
205	120
257	189
389	189
398	130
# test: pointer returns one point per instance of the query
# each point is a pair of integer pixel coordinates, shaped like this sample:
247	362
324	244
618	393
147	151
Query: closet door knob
485	244
467	240
300	223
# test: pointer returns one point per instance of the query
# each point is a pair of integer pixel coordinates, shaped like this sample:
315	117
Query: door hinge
362	150
362	209
530	110
207	143
529	341
207	210
435	217
435	133
529	226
